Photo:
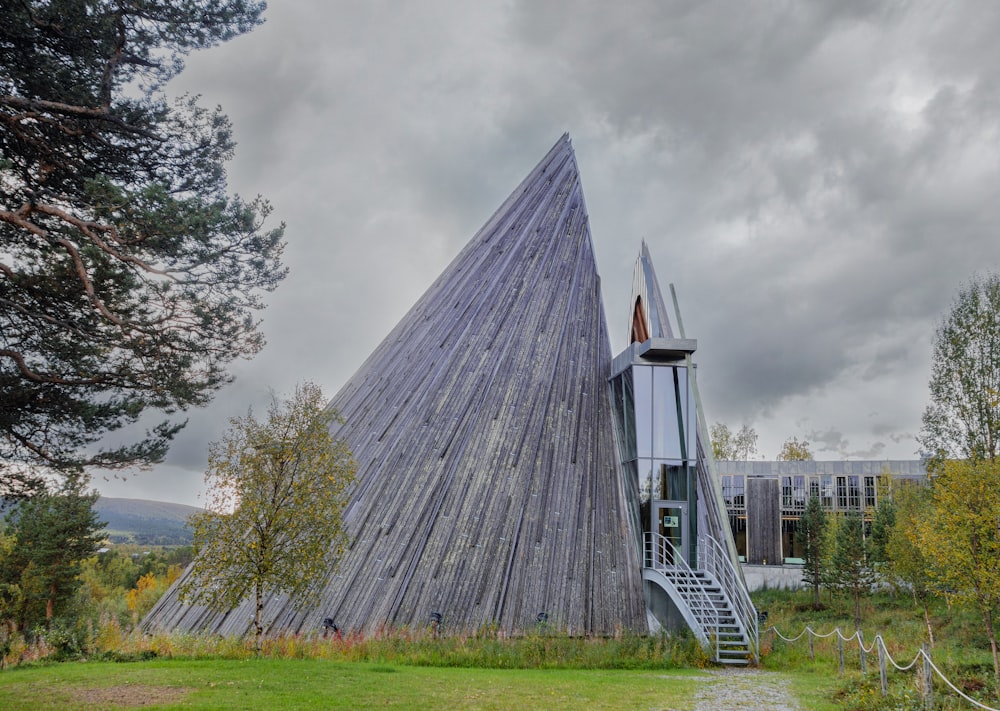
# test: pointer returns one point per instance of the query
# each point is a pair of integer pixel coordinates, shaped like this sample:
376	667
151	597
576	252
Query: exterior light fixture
329	626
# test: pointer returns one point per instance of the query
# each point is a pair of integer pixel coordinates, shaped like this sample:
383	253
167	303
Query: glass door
670	521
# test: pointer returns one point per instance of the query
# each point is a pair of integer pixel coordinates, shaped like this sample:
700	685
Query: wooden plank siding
763	521
488	488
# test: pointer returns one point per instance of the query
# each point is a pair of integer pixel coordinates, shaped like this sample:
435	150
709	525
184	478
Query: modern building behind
764	500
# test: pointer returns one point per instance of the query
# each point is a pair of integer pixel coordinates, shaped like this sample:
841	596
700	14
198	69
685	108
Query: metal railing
715	560
661	555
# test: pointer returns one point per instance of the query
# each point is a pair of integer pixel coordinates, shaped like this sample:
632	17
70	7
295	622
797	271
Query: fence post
864	655
881	666
812	654
928	690
840	650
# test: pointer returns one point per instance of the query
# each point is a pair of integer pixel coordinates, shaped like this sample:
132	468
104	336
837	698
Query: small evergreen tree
809	538
883	521
849	568
53	532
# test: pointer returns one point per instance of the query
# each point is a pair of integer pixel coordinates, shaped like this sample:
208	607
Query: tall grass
399	646
961	648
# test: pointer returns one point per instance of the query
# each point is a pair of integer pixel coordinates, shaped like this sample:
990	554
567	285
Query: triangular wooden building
490	491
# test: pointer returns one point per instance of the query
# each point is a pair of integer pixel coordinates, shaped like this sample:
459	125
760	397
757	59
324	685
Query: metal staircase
712	599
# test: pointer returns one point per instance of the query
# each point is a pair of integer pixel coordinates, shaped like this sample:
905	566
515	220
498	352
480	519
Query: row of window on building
836	493
764	500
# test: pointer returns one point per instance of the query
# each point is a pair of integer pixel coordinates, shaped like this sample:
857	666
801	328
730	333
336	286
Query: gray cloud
817	179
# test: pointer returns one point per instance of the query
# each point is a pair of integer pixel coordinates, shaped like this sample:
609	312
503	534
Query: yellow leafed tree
274	521
961	539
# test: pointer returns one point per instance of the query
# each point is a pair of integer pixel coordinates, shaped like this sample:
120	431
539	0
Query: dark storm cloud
816	178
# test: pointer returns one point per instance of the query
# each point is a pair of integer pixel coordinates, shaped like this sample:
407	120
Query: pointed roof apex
649	317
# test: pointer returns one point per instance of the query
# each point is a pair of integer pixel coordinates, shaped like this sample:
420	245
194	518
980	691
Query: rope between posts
953	687
878	641
905	667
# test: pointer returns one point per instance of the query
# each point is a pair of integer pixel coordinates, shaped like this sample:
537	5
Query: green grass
414	669
322	684
961	649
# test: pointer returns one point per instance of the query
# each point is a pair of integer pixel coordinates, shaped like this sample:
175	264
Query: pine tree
849	568
53	532
883	521
810	538
129	278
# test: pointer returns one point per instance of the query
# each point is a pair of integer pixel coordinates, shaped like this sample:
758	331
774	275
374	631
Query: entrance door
670	521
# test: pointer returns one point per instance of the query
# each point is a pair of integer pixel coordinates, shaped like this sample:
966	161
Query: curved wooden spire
649	318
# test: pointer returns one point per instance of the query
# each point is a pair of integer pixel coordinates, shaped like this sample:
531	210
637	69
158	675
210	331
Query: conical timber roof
488	487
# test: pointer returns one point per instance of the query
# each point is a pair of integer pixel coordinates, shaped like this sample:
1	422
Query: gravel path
745	690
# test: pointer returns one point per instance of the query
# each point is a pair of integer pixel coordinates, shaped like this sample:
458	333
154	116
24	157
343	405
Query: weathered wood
763	521
882	670
488	488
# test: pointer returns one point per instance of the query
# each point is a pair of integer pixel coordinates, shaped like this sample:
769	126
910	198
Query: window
870	492
854	492
673	482
788	548
786	492
799	493
643	392
738	525
842	492
738	491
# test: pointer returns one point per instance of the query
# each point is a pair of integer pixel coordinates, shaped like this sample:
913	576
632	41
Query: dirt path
746	690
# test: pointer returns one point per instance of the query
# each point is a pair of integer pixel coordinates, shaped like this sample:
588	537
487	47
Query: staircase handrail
716	561
704	610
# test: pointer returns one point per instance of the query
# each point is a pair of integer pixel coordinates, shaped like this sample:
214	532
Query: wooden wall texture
488	484
763	521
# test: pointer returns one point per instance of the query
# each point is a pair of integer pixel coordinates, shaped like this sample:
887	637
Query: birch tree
961	539
794	450
907	561
738	446
963	418
274	522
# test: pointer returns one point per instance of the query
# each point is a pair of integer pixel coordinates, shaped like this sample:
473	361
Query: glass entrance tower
656	422
691	577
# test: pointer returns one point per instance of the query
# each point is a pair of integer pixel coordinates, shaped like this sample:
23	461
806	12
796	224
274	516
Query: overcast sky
816	179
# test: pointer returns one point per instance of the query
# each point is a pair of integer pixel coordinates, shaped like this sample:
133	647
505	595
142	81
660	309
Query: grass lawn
322	684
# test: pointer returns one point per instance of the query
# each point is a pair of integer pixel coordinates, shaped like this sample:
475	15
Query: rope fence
926	672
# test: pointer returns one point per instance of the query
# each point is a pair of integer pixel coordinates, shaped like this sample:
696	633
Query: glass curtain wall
655	419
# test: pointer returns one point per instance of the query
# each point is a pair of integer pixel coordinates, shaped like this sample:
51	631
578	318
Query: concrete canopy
489	489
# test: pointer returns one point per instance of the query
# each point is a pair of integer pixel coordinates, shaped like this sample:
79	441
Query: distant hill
151	523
